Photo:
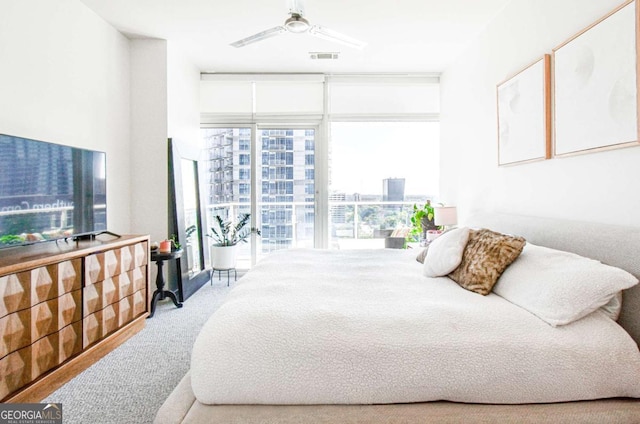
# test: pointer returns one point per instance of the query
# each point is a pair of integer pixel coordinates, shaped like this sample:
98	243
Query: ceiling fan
297	24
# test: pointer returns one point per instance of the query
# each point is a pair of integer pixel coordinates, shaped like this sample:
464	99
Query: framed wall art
595	85
524	115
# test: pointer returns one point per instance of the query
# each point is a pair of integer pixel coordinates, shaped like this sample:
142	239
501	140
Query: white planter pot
223	257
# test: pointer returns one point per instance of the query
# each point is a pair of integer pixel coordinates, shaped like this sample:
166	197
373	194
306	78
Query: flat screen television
49	191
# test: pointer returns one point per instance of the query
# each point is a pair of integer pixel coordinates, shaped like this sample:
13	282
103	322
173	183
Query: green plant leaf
229	234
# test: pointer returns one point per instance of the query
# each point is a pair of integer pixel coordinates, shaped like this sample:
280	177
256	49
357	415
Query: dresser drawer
24	327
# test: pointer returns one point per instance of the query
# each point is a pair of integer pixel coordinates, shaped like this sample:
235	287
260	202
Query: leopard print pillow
485	258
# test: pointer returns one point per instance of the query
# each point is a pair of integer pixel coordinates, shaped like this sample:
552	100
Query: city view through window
284	183
377	172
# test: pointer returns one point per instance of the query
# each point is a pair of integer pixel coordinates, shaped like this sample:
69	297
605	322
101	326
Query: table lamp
445	216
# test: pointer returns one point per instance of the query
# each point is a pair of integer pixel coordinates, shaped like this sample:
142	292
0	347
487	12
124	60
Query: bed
394	346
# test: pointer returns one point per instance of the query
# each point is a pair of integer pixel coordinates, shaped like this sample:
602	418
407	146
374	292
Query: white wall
184	99
597	187
165	103
64	78
68	77
149	128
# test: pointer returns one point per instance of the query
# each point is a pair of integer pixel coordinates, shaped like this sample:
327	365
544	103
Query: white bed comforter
363	327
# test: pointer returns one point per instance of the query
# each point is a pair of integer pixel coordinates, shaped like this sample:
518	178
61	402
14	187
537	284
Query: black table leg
160	293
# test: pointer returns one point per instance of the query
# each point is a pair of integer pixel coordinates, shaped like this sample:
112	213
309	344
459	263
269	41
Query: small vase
165	246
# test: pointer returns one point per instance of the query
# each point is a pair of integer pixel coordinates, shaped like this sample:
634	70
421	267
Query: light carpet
131	382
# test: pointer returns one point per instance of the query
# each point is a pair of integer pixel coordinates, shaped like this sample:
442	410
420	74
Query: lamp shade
445	215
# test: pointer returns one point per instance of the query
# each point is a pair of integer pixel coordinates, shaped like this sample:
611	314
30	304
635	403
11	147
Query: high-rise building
285	181
229	175
393	190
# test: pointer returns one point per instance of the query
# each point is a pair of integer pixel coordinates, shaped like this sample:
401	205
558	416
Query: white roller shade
289	97
384	97
230	97
247	97
271	97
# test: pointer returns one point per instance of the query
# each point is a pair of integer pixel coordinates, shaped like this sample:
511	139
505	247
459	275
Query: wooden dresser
65	305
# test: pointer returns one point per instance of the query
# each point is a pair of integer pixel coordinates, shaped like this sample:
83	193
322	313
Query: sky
364	153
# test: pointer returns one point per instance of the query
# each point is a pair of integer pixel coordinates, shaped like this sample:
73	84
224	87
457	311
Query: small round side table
160	293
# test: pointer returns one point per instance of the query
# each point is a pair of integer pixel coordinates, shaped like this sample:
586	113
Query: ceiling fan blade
331	35
272	32
296	6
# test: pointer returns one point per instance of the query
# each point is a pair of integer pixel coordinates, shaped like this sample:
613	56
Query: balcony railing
353	224
367	219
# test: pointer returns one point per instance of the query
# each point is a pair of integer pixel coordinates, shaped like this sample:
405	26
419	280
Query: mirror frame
186	284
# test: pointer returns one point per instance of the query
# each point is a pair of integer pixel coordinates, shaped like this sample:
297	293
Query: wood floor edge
51	382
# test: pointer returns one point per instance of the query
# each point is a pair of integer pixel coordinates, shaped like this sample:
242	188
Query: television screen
49	191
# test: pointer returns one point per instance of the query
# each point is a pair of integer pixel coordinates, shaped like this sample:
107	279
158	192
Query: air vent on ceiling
324	55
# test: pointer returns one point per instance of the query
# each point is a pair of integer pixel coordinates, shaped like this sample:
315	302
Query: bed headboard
610	244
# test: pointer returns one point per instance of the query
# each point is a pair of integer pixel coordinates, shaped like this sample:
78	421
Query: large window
378	170
229	179
285	195
364	149
287	201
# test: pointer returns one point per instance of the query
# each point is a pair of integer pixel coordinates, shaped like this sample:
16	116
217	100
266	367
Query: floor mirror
186	220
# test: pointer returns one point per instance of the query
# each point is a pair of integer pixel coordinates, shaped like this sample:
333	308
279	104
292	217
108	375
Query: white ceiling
401	35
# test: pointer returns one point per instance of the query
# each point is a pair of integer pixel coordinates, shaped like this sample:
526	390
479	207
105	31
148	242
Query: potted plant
422	221
226	236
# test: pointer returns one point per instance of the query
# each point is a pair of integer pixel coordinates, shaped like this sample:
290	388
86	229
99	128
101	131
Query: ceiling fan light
331	35
296	24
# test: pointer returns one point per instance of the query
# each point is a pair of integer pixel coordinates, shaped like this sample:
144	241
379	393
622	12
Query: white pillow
560	287
445	253
613	307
